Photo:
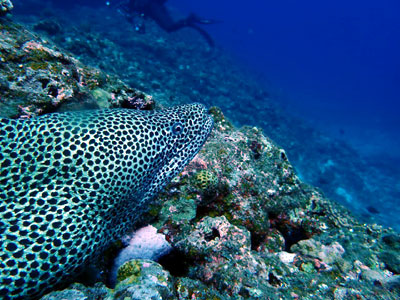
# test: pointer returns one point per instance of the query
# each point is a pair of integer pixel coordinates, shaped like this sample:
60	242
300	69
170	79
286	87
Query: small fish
71	183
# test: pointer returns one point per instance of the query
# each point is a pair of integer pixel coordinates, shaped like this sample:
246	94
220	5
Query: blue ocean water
335	63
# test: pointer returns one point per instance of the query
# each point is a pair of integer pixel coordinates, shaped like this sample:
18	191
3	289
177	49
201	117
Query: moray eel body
70	183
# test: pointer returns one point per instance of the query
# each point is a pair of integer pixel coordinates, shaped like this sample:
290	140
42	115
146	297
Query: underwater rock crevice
292	233
176	262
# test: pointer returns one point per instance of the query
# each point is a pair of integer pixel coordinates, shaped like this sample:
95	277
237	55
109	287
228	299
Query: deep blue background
337	63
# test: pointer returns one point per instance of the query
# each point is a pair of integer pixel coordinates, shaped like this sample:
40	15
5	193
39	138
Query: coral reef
36	77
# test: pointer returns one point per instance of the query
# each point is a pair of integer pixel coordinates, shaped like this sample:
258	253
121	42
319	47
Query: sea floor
180	68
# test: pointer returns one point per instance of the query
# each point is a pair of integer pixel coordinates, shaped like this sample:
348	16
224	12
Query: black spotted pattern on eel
71	183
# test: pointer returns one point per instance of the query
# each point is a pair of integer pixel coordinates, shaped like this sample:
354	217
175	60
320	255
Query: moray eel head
71	183
181	133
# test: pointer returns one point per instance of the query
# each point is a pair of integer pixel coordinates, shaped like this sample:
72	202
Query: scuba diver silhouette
156	10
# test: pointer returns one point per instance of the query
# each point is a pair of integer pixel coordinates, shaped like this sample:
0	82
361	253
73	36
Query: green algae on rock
143	279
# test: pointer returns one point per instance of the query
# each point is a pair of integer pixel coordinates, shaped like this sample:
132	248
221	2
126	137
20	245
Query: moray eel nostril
71	183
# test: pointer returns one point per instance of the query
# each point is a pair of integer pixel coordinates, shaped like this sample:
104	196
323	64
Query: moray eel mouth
71	183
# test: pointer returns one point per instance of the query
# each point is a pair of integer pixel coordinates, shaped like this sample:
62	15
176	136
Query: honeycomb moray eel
70	183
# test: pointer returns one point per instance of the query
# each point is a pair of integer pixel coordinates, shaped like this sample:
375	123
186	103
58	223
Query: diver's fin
207	21
204	33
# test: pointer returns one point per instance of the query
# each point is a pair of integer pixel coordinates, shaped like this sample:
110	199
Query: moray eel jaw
71	183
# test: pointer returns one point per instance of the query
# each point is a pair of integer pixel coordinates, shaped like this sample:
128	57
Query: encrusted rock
69	294
216	236
224	259
326	253
36	77
143	279
391	260
187	288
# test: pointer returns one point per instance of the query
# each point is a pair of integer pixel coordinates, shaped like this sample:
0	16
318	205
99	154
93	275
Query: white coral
145	243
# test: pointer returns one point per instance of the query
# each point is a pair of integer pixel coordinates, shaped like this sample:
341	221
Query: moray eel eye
177	128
